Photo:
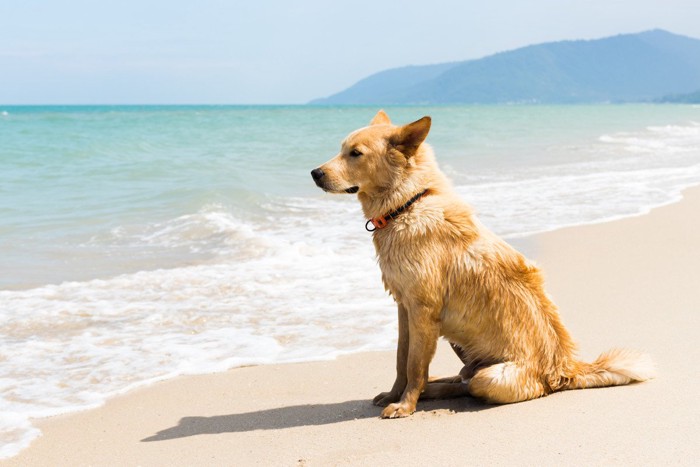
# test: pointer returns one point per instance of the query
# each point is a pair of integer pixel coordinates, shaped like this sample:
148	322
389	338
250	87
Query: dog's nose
317	174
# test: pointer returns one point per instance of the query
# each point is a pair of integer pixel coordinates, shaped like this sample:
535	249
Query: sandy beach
628	283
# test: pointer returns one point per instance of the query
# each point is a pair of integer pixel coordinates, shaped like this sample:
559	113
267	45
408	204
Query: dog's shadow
299	415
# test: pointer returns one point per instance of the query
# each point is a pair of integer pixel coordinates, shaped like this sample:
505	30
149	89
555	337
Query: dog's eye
355	153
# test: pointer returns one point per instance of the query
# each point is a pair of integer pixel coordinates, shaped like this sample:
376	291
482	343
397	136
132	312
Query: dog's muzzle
317	175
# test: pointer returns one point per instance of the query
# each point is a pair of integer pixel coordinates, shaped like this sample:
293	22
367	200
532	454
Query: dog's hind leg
504	383
445	390
445	379
452	386
471	365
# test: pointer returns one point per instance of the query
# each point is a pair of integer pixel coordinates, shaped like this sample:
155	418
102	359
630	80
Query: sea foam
71	346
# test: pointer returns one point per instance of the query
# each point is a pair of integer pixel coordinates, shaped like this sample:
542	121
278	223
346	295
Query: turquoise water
72	175
140	243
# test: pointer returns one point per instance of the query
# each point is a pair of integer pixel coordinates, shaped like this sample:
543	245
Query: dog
450	276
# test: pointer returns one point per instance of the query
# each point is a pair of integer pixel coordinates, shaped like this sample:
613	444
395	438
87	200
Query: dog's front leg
385	398
423	331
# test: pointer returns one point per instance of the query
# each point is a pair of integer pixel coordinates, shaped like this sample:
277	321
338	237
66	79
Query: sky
275	51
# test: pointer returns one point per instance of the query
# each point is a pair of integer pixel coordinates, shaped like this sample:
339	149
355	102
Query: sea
139	243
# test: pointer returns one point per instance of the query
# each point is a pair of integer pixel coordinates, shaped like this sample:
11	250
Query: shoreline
575	291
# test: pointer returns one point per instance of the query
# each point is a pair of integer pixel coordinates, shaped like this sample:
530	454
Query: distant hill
623	68
690	98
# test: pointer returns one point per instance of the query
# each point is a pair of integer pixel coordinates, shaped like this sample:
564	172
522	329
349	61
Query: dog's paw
399	410
385	398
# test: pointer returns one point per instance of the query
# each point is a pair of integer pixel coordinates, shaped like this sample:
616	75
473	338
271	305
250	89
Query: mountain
623	68
690	98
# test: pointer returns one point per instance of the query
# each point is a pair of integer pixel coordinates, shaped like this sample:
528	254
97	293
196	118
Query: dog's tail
613	368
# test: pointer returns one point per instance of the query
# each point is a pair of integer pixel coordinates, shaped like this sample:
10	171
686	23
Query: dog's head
373	159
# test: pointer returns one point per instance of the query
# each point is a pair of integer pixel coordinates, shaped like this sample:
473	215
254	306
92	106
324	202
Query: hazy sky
265	51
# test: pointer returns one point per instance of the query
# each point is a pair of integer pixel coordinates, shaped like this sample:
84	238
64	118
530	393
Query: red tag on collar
379	222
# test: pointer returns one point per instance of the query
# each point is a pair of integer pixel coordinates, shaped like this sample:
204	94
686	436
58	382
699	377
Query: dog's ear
409	137
380	119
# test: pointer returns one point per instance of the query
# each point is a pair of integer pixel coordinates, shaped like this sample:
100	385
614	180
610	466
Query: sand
633	282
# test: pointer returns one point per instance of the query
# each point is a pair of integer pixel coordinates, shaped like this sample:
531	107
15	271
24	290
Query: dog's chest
404	260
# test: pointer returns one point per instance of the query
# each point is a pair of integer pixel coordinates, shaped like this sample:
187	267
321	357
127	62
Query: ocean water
142	243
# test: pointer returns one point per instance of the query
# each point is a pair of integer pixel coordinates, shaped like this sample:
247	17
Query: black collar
383	221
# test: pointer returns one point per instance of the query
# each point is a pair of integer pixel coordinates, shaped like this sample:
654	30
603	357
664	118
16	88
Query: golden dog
452	277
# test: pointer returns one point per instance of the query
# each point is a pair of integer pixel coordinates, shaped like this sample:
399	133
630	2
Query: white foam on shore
297	282
70	346
16	432
554	202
